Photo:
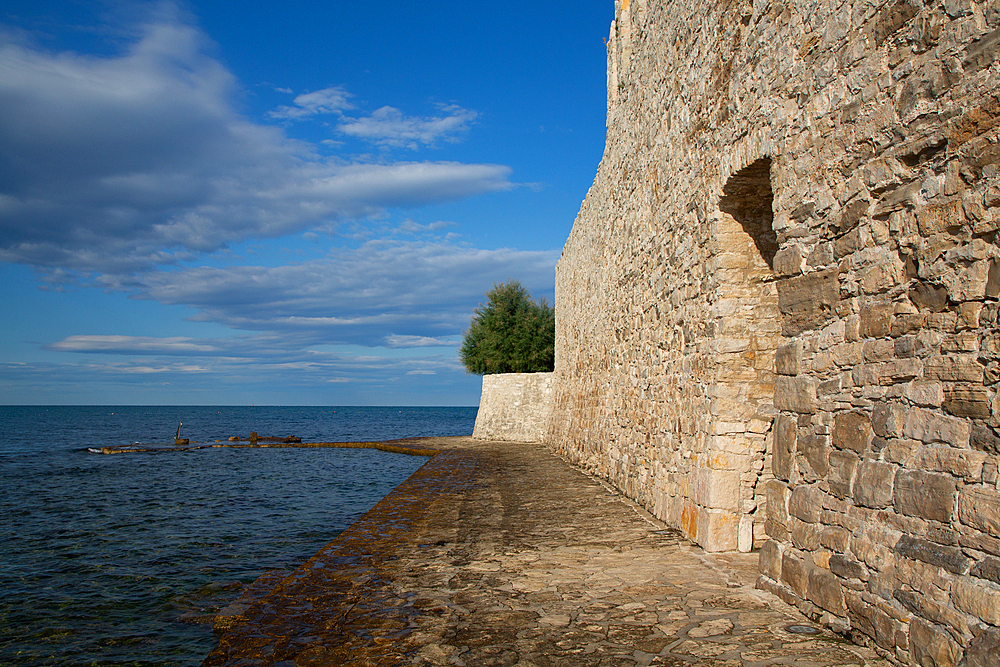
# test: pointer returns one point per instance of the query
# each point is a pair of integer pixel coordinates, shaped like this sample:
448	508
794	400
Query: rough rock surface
778	305
514	407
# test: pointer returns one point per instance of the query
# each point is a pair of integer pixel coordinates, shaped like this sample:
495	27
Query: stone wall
777	309
514	407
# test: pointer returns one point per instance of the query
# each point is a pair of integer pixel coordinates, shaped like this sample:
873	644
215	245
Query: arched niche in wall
749	329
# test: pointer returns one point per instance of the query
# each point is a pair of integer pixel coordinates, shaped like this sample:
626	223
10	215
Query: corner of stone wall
514	407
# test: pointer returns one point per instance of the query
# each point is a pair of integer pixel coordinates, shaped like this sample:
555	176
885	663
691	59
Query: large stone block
785	436
929	426
987	568
813	455
888	419
950	558
806	503
808	302
777	501
977	598
965	401
954	368
795	394
984	649
966	463
853	431
841	477
717	530
795	573
876	320
873	486
716	489
925	495
847	568
826	592
769	563
931	646
979	507
788	359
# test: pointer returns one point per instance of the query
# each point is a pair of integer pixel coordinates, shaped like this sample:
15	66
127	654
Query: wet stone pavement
503	554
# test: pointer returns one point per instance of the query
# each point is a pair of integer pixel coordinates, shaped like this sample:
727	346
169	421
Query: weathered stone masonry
777	309
514	407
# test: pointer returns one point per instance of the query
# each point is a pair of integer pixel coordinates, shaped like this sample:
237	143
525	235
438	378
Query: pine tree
510	334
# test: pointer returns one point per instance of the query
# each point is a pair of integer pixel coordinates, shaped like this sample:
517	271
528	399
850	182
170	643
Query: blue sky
281	203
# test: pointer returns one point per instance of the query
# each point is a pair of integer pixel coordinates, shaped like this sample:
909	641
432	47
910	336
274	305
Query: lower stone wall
514	407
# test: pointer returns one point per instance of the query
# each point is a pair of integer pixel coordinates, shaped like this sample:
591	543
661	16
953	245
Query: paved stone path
503	554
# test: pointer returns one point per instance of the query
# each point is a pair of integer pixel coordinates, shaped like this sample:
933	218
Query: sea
124	559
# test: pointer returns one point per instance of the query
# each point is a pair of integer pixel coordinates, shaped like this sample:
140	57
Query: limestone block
847	568
852	431
929	426
876	320
788	261
777	501
979	507
887	373
835	538
788	359
954	368
888	419
981	600
931	646
825	590
717	530
925	495
769	563
809	301
965	401
795	394
841	477
717	489
949	558
849	354
940	218
812	455
806	503
983	650
965	463
873	486
794	572
884	275
984	439
925	393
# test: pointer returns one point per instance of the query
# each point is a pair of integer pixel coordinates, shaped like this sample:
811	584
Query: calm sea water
123	559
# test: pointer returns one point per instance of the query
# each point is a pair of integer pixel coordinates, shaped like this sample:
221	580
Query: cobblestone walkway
502	554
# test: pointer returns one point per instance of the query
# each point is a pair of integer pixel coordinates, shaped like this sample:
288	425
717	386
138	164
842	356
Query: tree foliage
510	334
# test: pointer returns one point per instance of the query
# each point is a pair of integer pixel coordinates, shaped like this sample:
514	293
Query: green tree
510	334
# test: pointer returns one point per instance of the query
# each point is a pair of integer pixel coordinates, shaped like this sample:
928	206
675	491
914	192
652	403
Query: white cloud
395	341
410	226
132	345
389	127
404	291
328	100
122	163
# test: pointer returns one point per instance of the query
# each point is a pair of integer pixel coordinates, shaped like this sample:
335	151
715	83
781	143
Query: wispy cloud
119	164
132	345
388	126
395	341
407	291
328	100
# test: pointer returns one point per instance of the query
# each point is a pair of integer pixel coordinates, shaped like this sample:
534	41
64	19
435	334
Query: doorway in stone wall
745	215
